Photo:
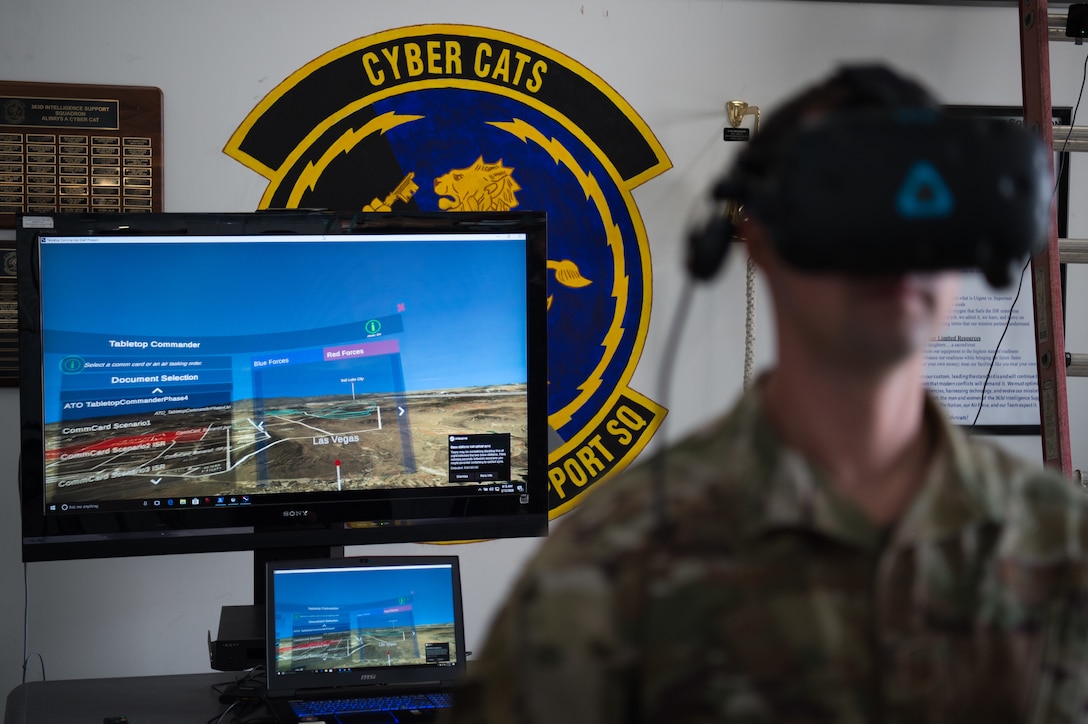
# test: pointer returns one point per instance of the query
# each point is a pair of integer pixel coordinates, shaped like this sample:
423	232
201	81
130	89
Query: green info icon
72	365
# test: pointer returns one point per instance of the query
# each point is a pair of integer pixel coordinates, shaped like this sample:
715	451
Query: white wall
676	61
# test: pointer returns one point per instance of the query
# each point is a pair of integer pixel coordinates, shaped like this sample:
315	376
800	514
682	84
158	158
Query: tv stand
263	556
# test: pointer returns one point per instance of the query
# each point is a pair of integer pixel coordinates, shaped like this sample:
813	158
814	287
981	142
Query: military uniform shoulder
1008	479
709	479
1043	514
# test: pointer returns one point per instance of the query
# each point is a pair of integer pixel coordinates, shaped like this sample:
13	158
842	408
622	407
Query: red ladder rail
1045	266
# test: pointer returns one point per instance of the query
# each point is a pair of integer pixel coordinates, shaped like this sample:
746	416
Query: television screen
199	382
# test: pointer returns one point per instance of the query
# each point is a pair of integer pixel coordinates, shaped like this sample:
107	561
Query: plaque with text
9	321
78	148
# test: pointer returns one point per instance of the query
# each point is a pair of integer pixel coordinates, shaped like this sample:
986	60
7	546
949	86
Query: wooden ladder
1037	29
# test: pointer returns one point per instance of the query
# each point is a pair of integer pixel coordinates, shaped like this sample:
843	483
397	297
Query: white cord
749	321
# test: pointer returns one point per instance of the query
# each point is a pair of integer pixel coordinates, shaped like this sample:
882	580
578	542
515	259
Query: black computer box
240	644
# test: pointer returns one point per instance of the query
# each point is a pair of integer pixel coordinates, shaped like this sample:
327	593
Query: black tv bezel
441	515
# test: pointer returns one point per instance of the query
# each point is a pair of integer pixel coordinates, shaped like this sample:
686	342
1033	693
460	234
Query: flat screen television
279	380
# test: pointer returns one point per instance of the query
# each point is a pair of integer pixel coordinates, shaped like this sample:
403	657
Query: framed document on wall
982	366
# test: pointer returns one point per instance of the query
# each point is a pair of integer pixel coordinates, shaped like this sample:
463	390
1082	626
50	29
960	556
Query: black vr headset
886	192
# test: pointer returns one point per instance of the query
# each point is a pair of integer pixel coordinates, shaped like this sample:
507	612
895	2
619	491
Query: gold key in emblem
404	191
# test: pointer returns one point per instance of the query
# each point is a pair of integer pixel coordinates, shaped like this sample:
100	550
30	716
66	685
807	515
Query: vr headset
885	192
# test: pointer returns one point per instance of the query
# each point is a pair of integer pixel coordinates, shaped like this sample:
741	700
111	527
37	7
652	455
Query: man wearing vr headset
833	549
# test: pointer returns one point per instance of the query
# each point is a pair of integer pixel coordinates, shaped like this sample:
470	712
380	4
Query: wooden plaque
71	148
9	314
79	148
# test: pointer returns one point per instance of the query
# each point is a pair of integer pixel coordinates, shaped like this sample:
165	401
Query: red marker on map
338	475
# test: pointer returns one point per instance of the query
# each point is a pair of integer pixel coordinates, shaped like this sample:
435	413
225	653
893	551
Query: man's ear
756	238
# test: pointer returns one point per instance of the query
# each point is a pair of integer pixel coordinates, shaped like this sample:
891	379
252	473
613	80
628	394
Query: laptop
374	639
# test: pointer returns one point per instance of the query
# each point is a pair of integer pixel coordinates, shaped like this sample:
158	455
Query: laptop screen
373	621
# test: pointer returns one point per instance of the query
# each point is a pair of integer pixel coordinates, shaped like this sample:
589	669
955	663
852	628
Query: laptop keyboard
399	702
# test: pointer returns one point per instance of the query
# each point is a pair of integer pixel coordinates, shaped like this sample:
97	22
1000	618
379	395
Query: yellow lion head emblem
480	187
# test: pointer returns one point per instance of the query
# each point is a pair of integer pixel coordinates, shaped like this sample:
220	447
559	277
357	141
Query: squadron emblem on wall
462	118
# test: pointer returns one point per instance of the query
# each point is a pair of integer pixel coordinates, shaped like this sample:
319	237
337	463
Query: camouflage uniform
770	599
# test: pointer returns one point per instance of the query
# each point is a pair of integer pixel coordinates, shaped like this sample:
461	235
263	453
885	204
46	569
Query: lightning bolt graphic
307	180
592	190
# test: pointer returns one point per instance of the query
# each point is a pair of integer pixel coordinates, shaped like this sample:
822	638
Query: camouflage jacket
766	598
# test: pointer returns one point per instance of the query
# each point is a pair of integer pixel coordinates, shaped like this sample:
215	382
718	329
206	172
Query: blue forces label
463	118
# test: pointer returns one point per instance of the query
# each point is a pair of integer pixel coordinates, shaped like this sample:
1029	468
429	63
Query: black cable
219	718
1008	323
672	344
26	617
1062	156
245	696
26	628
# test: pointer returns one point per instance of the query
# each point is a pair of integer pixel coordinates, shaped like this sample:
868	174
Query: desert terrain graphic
281	445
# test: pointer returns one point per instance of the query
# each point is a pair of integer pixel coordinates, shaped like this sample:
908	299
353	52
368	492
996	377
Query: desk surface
144	700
